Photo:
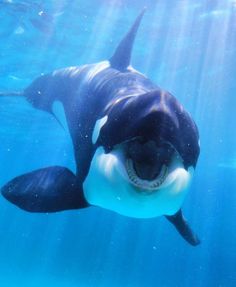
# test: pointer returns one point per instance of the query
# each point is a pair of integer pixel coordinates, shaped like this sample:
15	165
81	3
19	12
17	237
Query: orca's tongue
147	171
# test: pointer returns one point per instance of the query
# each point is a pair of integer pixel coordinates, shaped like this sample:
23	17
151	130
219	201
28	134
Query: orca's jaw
147	186
110	186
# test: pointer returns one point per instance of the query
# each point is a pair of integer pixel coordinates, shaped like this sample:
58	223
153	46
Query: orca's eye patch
148	157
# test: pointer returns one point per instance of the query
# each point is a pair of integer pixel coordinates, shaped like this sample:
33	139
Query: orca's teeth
145	184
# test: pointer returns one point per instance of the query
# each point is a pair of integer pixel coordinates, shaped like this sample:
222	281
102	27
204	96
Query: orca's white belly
107	185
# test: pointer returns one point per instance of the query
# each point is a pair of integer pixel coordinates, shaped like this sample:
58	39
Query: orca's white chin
113	183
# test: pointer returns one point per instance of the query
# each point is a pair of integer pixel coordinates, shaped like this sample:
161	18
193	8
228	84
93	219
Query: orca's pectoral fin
183	228
49	189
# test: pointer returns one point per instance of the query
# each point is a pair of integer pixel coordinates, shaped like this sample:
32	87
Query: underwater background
188	48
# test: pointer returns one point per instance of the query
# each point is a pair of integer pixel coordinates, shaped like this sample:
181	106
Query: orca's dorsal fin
121	58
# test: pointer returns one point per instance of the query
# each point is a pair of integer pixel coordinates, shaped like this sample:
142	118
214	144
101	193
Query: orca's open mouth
142	183
147	164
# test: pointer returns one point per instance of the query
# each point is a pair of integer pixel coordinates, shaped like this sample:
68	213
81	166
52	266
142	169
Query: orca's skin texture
135	146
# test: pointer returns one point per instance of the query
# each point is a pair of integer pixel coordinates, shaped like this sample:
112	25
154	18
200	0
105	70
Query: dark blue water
187	47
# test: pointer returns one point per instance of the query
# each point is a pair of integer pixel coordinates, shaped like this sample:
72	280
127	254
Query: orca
135	146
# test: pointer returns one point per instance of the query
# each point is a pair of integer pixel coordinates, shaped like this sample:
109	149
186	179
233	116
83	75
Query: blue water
187	47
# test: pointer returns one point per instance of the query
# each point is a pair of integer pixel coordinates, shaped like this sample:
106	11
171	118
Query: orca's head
151	129
152	144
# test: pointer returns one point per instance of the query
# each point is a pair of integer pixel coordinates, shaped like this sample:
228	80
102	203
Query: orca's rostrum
135	146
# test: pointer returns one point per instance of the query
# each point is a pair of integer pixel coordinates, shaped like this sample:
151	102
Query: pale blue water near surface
189	48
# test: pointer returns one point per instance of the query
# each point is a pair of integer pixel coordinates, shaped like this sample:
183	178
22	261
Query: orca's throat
148	158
